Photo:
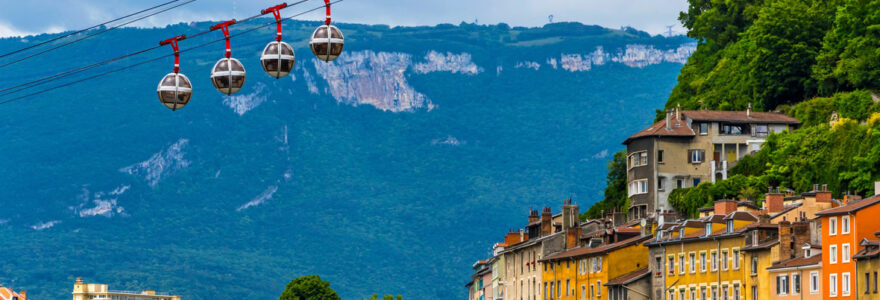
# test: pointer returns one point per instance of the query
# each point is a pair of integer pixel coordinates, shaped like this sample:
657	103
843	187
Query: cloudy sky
23	17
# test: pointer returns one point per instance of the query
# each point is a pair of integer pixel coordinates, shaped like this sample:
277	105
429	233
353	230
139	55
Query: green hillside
810	59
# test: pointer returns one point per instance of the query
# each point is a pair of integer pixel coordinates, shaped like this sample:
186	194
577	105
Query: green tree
615	188
309	287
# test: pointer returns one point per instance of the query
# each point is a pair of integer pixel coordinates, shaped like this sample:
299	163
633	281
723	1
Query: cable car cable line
161	57
84	30
94	34
36	82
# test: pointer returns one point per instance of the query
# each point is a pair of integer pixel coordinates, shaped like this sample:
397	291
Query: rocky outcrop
160	164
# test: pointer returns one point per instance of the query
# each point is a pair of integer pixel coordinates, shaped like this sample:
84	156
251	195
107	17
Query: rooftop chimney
618	218
749	110
570	215
800	234
785	241
725	207
774	202
823	195
533	216
668	124
678	112
546	222
572	236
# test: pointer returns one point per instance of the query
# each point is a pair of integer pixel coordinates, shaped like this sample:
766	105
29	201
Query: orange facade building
843	228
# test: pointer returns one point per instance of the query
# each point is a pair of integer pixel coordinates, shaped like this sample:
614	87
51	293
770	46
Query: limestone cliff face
379	79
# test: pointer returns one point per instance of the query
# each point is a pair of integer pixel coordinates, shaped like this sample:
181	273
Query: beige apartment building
689	147
545	234
93	291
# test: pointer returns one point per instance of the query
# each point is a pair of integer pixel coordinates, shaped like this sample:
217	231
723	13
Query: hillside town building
792	246
91	291
689	147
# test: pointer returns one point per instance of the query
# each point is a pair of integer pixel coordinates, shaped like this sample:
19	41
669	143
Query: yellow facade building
581	273
704	259
92	291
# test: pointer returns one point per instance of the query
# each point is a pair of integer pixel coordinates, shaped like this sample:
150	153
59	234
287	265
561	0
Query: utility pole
550	18
669	30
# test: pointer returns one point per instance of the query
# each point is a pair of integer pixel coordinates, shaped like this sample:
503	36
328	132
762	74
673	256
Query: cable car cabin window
734	129
286	51
273	49
221	82
321	33
320	48
335	33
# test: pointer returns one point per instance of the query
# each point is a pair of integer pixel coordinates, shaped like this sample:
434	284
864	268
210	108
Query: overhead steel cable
84	30
94	34
164	56
43	80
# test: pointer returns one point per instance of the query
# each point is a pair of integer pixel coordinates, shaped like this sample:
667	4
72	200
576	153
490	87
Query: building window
658	265
844	284
832	285
734	129
703	293
782	285
638	187
681	294
703	261
679	183
867	282
724	259
704	128
660	156
832	254
696	181
725	293
796	283
714	293
671	265
844	224
832	226
736	292
599	289
592	292
696	156
661	183
714	258
845	255
754	265
671	295
692	261
762	130
735	259
814	282
681	263
755	292
638	159
875	282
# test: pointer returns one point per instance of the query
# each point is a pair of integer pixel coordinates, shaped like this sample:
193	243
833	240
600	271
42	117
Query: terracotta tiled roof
849	208
8	294
741	216
739	116
677	128
797	262
587	250
629	277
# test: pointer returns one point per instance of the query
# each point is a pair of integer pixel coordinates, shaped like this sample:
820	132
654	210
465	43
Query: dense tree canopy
615	189
309	287
812	59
